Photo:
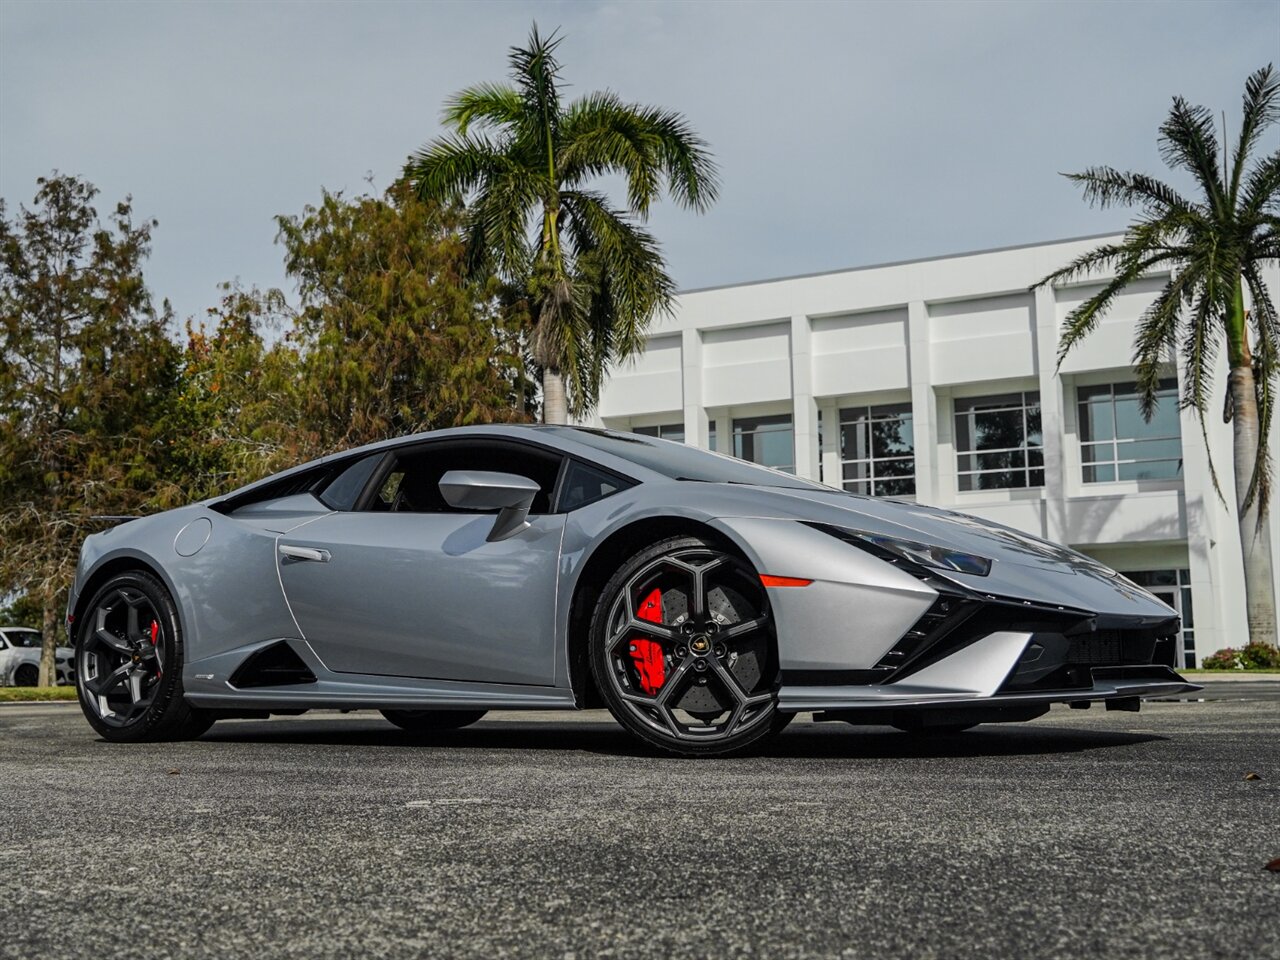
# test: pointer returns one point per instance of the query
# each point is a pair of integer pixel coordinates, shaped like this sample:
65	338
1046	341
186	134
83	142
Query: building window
1117	444
878	451
998	442
768	441
1174	588
664	431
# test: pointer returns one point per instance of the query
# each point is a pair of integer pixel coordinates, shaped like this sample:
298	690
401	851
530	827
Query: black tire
718	651
27	675
111	640
430	721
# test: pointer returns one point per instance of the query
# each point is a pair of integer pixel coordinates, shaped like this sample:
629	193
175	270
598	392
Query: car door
405	586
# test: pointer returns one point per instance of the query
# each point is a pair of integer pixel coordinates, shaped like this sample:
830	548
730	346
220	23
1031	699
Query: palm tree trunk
1255	530
555	403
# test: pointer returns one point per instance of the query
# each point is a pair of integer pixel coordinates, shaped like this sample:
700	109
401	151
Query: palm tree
1214	248
522	161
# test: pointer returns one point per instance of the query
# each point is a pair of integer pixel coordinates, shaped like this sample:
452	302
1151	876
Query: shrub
1228	659
1260	656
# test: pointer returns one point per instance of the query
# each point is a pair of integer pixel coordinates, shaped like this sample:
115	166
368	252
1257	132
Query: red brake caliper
647	654
155	632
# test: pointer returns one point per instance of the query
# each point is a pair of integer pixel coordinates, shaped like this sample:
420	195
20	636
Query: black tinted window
347	486
413	484
584	484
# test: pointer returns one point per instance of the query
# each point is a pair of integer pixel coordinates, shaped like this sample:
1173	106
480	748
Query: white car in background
20	658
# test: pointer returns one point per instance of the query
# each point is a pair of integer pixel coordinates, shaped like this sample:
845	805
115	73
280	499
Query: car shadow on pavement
800	741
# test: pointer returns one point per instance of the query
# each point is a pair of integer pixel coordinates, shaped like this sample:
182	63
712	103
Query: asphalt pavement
1081	834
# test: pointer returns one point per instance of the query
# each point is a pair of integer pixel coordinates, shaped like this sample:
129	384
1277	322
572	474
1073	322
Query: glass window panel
1034	438
1165	421
1188	617
1149	470
893	487
1103	473
1004	401
675	434
1128	418
1097	452
967	462
997	430
1035	458
964	437
1095	419
895	468
1168	449
861	487
1036	478
645	431
853	441
857	471
711	438
776	448
1004	460
890	438
1005	480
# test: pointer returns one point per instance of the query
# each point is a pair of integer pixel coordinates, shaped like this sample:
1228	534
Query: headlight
928	555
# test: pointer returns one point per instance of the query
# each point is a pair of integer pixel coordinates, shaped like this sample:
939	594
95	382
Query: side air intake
273	666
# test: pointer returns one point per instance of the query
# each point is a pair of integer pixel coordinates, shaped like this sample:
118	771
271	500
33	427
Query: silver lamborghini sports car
705	601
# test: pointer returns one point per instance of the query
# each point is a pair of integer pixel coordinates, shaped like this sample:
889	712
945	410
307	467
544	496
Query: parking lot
331	835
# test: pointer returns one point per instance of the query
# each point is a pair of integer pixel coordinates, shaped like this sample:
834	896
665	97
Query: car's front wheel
27	675
129	656
683	650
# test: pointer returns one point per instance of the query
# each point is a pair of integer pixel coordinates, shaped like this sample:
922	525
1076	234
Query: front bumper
1113	684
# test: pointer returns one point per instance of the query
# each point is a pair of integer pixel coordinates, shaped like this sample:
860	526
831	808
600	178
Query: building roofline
899	263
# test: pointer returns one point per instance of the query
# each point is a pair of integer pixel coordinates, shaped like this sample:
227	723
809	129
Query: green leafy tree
393	334
1214	247
524	162
85	371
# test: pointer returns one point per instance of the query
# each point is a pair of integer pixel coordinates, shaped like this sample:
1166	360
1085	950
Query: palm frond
485	104
1199	350
450	167
1157	334
1261	110
1187	140
1106	186
1262	189
536	72
1129	265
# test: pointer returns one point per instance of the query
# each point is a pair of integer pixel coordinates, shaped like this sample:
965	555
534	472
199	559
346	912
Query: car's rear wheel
429	721
129	656
683	650
27	675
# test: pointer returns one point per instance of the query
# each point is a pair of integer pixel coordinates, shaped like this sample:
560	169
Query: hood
1023	566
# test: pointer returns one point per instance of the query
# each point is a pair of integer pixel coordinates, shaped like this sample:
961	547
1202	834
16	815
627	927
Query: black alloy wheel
683	650
129	656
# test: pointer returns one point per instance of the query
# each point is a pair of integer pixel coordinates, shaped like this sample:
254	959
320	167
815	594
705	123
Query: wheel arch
601	564
104	571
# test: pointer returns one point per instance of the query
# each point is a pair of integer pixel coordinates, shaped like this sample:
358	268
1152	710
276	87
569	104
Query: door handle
290	552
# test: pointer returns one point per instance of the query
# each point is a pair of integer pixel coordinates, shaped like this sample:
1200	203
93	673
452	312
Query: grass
17	694
1219	673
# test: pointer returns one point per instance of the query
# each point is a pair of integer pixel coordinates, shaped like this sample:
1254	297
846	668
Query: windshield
682	462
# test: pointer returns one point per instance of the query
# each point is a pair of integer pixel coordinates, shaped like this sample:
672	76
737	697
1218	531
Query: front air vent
945	614
276	665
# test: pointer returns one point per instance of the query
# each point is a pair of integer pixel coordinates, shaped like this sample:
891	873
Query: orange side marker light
769	580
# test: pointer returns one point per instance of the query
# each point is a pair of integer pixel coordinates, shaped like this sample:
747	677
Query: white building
936	379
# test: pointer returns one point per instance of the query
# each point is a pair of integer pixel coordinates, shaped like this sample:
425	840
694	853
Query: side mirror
509	494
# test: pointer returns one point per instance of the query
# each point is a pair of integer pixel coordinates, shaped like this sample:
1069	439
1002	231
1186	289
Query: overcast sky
847	134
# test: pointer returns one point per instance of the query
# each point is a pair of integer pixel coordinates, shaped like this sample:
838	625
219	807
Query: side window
346	487
413	485
584	484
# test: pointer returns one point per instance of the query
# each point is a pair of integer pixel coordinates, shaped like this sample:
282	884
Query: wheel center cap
700	645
